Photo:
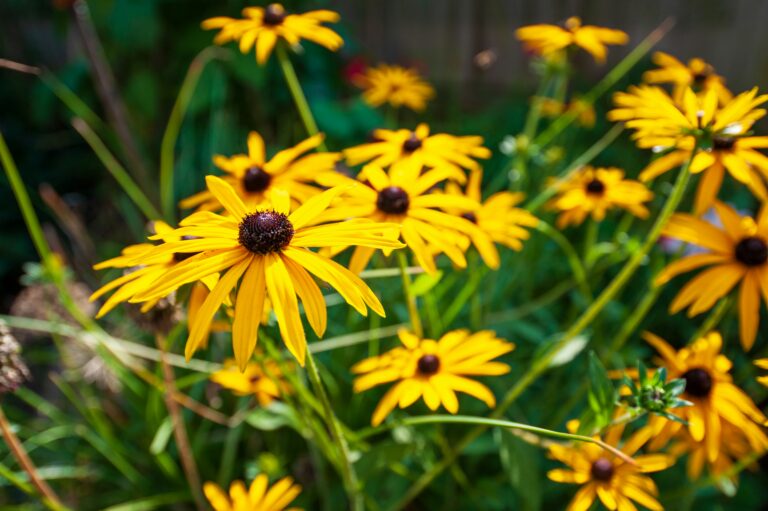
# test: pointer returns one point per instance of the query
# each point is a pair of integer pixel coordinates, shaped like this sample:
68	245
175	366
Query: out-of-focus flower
259	496
264	382
264	26
397	86
433	370
594	191
603	475
254	176
550	39
696	74
441	149
584	111
737	253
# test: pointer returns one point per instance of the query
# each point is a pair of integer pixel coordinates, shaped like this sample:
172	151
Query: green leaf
275	416
425	282
162	435
521	464
602	394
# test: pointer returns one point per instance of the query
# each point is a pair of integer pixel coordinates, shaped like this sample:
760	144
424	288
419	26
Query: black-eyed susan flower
736	253
142	270
264	26
258	497
403	197
267	251
717	403
433	370
697	74
254	176
595	191
547	40
497	216
395	85
264	382
583	110
604	476
420	147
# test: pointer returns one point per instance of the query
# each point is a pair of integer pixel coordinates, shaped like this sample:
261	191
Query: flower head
395	85
258	497
421	148
262	380
254	176
717	403
267	251
736	253
547	40
595	191
433	370
403	197
264	26
696	74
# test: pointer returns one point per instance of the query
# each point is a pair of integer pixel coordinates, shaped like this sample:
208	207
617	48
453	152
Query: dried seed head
13	370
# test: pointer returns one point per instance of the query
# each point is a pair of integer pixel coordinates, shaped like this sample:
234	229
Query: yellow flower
142	270
264	383
421	148
717	402
584	111
762	364
265	25
403	197
549	39
737	253
397	86
254	177
497	216
433	370
697	74
267	251
257	497
594	191
603	475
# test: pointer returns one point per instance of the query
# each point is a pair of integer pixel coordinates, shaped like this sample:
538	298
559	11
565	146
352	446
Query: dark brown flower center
698	382
256	180
752	251
274	14
265	231
411	143
393	200
700	77
602	470
183	256
595	187
723	142
469	216
428	364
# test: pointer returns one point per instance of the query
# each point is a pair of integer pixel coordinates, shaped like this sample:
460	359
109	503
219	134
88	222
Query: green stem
348	473
118	171
630	324
298	94
172	130
714	318
413	310
540	365
570	253
606	83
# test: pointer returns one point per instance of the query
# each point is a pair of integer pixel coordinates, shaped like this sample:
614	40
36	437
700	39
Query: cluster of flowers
260	235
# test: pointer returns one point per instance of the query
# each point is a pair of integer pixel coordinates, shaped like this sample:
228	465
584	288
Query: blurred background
466	48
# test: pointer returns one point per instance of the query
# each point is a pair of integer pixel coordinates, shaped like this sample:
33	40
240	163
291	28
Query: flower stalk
413	309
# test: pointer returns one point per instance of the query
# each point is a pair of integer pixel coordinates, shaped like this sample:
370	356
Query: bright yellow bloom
421	148
397	86
254	177
433	370
267	251
256	498
497	216
265	25
603	475
697	74
584	111
549	39
263	382
403	197
736	252
594	191
762	364
717	402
